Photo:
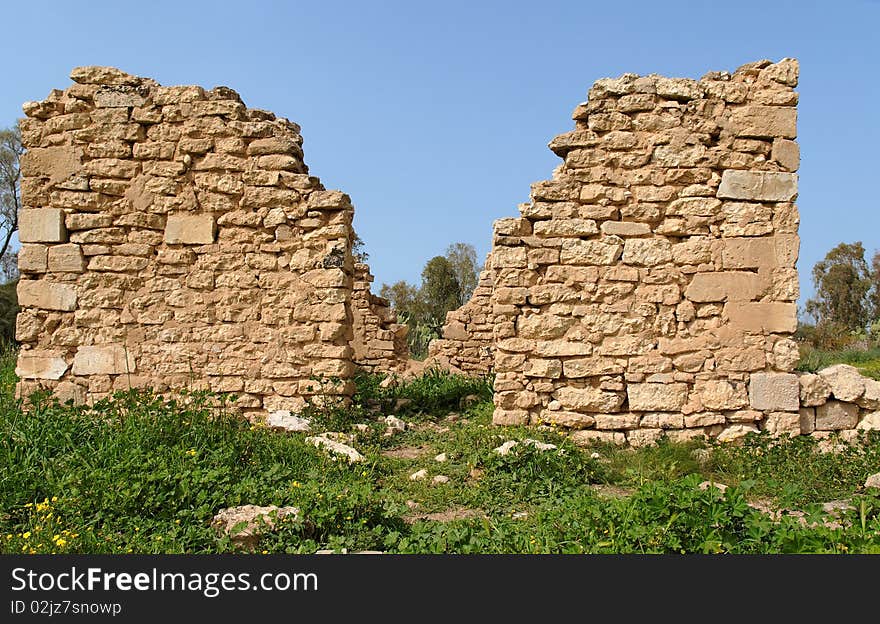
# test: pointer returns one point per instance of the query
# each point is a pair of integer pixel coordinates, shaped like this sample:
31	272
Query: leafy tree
10	196
402	295
463	258
357	249
843	282
440	291
8	311
447	284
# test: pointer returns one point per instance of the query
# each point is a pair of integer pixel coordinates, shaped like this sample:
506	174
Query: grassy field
141	473
866	360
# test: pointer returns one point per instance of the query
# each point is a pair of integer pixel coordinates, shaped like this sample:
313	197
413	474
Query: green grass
144	473
866	360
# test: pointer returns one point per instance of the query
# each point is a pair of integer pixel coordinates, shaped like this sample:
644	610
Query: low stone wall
467	342
837	399
379	342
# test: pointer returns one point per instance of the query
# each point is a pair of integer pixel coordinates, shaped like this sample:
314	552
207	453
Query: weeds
143	473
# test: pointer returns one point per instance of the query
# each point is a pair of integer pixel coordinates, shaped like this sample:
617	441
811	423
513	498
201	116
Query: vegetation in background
845	312
143	473
447	283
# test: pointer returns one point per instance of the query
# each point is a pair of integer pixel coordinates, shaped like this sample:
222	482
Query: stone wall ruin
173	238
649	288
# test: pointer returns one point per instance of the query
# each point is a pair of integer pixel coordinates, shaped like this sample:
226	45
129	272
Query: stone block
748	253
761	186
40	365
723	395
836	416
651	397
588	399
786	153
771	392
723	286
33	258
783	423
46	295
845	381
103	360
66	258
647	251
42	225
759	317
190	229
764	122
581	252
814	390
807	420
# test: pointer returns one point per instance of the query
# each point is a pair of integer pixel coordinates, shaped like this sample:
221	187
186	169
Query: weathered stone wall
466	344
379	343
172	238
649	287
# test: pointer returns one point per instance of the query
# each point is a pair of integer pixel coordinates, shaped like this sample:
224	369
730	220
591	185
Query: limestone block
767	186
537	367
764	122
786	153
871	422
723	286
815	390
761	317
808	420
774	392
103	360
46	295
581	252
42	225
647	251
509	417
40	365
649	397
93	74
871	398
846	382
836	415
748	253
565	227
569	420
783	423
118	96
625	228
66	258
509	257
588	399
694	207
734	433
190	229
723	395
33	258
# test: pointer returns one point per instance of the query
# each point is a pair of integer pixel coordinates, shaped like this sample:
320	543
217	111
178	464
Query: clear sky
435	116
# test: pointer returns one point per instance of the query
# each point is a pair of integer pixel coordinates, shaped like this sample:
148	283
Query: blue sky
435	116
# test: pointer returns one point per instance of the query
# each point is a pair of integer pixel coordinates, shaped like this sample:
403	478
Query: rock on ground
258	519
335	447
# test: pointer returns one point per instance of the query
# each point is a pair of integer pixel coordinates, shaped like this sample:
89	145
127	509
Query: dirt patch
407	452
460	513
